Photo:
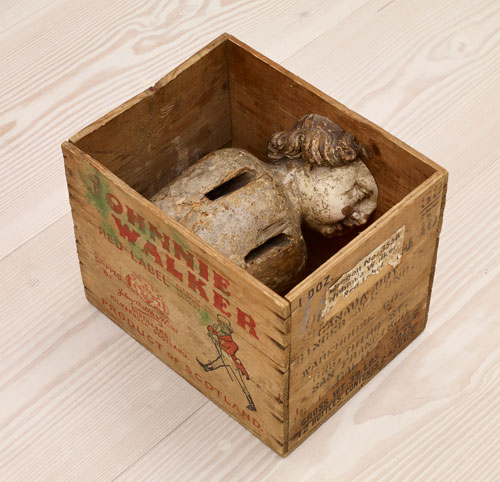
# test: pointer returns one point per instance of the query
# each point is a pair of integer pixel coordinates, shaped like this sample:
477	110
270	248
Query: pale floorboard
80	400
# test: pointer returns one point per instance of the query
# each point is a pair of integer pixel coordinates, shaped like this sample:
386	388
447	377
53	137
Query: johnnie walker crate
303	354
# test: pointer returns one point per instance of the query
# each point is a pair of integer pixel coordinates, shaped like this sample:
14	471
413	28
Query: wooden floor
81	400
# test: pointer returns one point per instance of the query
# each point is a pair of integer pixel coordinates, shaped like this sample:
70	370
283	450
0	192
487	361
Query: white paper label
389	252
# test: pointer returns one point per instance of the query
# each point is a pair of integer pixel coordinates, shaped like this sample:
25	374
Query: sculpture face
336	199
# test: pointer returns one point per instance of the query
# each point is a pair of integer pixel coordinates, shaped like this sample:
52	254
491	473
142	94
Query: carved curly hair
317	140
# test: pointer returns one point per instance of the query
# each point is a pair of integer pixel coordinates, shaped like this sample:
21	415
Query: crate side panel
359	310
419	214
161	240
265	98
149	142
189	315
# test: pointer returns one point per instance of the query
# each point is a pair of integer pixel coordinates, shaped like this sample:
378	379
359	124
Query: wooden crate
306	353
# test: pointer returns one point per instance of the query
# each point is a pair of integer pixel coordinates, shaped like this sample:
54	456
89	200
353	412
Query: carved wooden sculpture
252	211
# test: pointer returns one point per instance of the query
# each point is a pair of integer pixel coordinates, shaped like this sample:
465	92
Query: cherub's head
335	199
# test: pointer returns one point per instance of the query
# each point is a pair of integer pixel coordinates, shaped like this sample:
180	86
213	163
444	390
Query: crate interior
230	96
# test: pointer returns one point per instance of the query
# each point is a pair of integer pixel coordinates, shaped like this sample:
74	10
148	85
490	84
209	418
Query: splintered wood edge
275	303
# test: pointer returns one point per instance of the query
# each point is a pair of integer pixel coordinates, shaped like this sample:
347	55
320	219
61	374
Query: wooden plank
150	139
420	213
170	291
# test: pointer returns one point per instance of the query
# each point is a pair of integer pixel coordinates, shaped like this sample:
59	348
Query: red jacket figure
221	336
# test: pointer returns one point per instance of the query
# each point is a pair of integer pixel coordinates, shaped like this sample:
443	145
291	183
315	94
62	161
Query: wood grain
80	401
144	132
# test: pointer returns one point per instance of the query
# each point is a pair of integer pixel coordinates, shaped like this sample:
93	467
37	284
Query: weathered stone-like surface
252	211
239	217
330	200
